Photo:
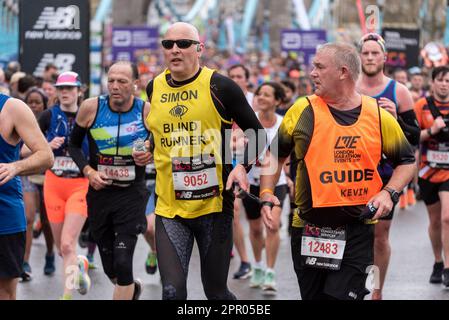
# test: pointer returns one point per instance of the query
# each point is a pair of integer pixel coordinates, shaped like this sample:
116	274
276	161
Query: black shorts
252	208
348	283
12	252
121	210
429	190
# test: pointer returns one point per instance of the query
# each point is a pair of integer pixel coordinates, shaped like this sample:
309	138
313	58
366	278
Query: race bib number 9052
195	178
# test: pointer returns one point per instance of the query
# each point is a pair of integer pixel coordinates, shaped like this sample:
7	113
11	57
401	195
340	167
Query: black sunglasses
181	43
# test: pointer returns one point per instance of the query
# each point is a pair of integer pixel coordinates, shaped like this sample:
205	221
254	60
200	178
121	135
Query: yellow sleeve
394	143
288	126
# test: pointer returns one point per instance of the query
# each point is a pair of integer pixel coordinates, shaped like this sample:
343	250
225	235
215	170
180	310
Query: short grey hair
344	55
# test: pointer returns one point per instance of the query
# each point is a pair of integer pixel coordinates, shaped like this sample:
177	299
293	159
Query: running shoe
83	278
49	267
446	278
151	263
257	278
26	273
269	284
437	273
244	271
92	264
138	288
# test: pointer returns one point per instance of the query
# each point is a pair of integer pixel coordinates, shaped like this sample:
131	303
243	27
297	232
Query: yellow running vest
187	135
342	160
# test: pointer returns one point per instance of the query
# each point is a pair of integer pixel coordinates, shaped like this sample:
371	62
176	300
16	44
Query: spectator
14	83
51	72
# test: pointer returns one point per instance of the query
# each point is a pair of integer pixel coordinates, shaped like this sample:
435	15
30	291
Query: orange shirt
342	160
425	120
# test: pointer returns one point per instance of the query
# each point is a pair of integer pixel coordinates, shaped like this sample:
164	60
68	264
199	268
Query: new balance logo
310	261
64	62
186	195
61	18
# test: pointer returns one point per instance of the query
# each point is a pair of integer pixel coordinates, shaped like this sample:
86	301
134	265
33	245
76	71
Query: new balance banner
55	31
402	47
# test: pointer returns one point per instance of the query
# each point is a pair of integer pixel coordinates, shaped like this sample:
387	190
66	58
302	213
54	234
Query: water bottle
368	212
139	145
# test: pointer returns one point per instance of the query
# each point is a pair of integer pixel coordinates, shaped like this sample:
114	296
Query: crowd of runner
150	157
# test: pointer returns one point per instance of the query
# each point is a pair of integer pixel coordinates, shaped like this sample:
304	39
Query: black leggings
116	252
174	242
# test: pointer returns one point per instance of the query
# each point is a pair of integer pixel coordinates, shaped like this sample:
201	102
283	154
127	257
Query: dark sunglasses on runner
181	43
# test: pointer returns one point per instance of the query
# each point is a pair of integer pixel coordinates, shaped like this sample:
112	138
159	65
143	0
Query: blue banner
130	42
304	42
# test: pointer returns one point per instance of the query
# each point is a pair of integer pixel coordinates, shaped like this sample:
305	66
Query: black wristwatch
394	195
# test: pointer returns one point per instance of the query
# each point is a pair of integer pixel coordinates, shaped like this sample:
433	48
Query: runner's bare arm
271	170
86	114
406	115
26	127
402	175
404	98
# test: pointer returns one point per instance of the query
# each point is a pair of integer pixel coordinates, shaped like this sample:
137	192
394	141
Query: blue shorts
151	204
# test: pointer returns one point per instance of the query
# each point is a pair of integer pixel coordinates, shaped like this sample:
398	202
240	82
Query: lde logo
61	18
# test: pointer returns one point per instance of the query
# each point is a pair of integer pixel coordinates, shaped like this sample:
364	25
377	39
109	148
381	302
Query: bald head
130	65
182	30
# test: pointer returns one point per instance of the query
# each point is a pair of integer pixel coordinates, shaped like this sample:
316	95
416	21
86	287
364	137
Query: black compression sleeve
409	124
149	90
236	107
75	146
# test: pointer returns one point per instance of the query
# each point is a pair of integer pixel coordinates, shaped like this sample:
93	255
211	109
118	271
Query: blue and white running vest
114	134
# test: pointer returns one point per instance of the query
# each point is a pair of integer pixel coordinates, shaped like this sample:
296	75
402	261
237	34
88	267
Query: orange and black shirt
425	120
338	154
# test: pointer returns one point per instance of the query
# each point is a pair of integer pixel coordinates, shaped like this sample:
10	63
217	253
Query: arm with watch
389	195
436	127
268	180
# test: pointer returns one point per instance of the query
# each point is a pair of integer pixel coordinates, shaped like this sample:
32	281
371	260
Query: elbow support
409	124
75	146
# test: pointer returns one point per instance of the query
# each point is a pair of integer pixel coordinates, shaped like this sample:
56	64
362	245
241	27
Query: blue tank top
389	93
61	126
12	210
114	134
385	168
